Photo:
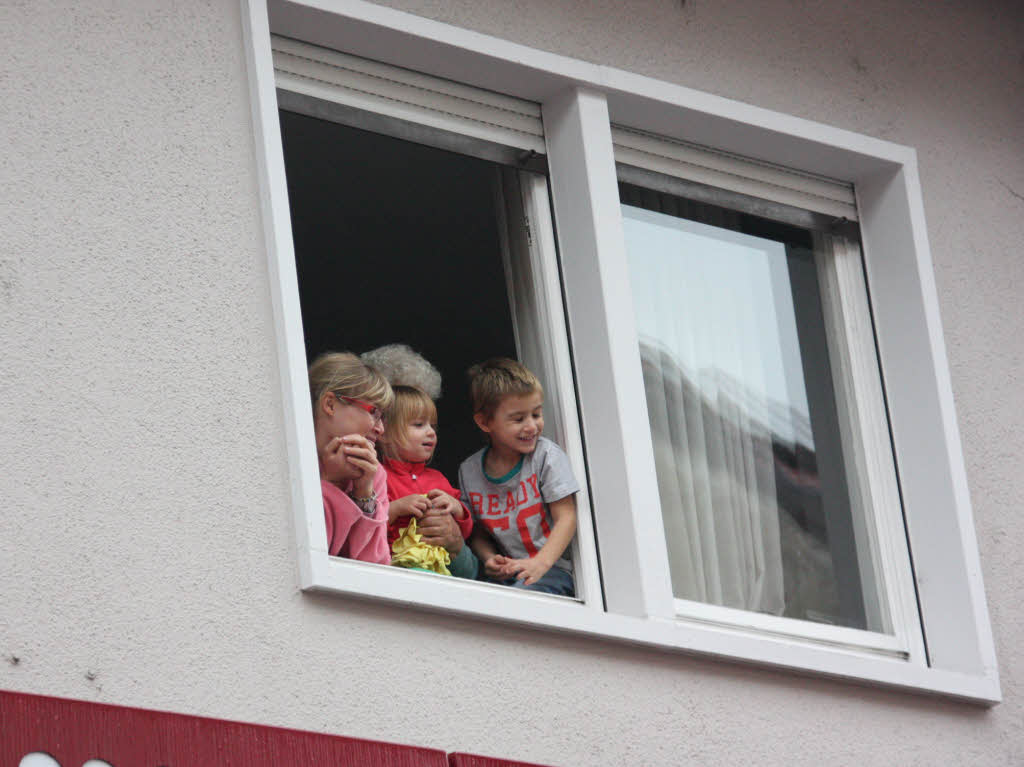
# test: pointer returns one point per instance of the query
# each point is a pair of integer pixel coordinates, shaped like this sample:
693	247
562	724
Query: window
752	348
884	625
448	237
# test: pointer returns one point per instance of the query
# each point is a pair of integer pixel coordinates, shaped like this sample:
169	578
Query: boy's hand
496	567
408	506
529	571
439	499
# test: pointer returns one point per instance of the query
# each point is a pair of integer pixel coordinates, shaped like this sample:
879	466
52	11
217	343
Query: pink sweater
350	532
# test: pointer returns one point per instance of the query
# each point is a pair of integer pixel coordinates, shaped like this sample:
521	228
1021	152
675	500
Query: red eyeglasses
373	410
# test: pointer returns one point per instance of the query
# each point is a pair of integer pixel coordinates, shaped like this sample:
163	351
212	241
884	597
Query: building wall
145	532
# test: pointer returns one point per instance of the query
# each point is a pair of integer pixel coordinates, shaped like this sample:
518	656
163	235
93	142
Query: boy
520	487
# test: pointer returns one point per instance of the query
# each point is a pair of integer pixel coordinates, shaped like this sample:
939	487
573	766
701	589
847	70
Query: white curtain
712	349
717	489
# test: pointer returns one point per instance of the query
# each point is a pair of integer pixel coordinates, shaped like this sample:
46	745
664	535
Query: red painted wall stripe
74	731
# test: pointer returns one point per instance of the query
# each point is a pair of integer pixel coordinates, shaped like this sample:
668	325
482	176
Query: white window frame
579	102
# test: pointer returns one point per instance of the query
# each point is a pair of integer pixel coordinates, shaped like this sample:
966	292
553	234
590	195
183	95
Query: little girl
408	443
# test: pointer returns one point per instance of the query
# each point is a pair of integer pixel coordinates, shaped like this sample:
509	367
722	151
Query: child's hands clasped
441	501
496	567
408	506
418	505
529	570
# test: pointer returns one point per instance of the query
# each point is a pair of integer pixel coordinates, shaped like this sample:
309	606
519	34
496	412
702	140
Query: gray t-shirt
515	507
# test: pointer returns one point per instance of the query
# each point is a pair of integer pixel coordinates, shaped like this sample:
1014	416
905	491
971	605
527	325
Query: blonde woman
349	398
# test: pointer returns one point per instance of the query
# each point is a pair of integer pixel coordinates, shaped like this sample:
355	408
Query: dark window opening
397	242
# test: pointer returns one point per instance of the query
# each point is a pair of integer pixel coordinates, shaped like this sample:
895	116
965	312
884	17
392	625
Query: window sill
733	643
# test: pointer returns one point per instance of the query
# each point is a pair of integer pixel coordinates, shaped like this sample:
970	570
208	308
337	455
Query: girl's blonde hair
347	376
409	404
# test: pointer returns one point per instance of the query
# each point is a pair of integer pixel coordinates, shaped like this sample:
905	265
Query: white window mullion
600	309
535	294
925	434
310	538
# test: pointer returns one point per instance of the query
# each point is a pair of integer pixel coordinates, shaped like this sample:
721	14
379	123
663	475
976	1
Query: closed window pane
751	474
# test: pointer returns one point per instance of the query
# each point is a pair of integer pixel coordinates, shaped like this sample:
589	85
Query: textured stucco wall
145	532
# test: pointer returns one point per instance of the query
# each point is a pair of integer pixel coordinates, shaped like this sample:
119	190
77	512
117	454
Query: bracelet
366	505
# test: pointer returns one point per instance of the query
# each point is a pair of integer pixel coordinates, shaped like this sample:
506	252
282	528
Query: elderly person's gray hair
404	367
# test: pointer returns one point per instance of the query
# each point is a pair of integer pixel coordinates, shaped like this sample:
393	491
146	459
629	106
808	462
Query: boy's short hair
499	377
409	404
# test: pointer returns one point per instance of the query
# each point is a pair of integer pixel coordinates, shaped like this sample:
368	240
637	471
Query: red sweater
416	479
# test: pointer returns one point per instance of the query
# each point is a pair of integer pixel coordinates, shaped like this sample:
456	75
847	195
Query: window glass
748	446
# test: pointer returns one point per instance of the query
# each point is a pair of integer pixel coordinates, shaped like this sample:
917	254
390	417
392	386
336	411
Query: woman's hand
408	506
334	466
440	500
439	528
362	456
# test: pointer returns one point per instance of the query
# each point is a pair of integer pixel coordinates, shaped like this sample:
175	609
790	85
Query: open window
420	215
397	242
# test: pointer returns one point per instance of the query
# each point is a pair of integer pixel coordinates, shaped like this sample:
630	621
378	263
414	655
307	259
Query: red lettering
492	504
522	488
496	524
477	501
510	502
522	520
533	483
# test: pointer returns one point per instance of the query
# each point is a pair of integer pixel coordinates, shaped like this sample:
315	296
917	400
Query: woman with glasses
348	399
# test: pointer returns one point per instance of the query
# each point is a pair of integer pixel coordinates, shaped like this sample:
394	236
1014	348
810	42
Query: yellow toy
409	551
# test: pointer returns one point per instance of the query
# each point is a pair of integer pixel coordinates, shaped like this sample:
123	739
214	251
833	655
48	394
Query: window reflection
751	477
